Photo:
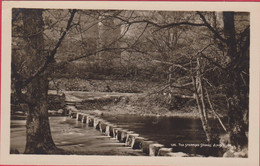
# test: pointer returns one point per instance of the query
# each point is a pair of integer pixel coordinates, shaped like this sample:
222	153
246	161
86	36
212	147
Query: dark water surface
181	134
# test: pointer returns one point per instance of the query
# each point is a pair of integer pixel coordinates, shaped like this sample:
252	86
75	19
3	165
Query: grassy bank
122	86
146	99
142	104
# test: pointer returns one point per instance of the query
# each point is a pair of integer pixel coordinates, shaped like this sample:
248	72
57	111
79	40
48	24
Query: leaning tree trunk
236	102
38	134
200	101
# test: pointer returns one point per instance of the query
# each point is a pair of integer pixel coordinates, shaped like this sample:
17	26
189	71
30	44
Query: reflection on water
75	136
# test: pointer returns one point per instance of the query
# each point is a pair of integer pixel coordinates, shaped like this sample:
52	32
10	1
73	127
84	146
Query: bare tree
30	63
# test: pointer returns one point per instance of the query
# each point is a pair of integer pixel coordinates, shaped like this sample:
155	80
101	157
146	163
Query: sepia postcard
130	83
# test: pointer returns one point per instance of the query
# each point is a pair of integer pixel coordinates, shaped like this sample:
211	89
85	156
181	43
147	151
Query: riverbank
129	97
144	105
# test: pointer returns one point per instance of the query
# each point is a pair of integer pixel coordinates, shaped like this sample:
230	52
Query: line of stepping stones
130	138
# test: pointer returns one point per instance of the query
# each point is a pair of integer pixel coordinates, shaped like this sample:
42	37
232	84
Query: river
174	132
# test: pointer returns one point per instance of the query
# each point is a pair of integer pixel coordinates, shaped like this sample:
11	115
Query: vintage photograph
129	82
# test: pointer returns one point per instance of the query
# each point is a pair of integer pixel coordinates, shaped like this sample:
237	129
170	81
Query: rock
137	142
230	151
145	146
90	121
84	119
130	138
96	123
79	116
177	154
229	154
110	130
154	149
127	136
102	126
116	133
241	154
73	114
123	134
60	111
51	112
164	151
233	153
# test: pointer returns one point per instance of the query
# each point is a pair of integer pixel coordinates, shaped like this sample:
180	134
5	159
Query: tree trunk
237	126
38	133
235	99
200	100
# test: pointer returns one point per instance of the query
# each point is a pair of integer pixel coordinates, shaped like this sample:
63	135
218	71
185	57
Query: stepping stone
84	119
102	126
73	115
79	116
177	154
130	138
137	142
90	121
145	146
110	130
96	123
164	151
116	133
154	149
123	135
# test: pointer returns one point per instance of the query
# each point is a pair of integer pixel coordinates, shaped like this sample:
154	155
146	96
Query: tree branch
50	58
158	25
213	62
215	113
206	23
